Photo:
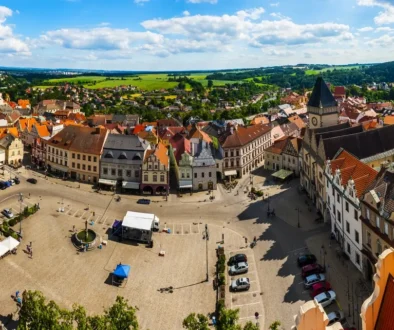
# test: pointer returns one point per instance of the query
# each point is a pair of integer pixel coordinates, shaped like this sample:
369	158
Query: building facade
346	180
243	148
13	149
204	168
121	161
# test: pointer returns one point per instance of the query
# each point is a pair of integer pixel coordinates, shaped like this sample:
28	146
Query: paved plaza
69	277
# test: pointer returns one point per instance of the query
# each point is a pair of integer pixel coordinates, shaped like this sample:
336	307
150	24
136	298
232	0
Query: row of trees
37	313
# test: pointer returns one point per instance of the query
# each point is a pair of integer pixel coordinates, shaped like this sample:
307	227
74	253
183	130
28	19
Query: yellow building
13	148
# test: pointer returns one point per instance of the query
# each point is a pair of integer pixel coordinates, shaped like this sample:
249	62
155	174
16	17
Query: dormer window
137	157
122	156
109	155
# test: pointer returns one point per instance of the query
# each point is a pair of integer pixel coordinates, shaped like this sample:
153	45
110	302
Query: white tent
137	220
8	245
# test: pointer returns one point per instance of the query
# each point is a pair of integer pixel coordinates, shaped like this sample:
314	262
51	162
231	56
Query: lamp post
206	248
298	217
20	213
323	253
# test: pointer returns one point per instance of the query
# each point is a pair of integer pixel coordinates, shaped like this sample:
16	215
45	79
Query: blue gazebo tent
120	273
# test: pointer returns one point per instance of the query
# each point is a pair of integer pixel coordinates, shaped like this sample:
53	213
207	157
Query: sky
158	35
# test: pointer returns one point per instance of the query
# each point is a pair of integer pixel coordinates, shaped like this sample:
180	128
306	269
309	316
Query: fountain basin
85	238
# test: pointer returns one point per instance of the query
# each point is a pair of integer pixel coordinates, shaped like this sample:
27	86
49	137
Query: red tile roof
243	135
352	168
339	91
278	146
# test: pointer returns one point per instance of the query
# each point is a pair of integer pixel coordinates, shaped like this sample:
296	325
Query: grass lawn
311	72
77	79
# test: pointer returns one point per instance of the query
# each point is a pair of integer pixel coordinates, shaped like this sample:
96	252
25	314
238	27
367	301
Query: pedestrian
73	228
16	294
30	244
29	195
31	253
255	239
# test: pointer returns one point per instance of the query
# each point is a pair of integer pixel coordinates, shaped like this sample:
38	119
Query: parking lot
248	302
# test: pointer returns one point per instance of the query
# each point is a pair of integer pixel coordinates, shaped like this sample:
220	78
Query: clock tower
322	107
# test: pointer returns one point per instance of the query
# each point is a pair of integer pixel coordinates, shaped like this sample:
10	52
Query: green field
315	72
146	82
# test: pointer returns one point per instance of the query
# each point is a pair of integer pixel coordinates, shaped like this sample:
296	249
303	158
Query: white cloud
140	2
366	29
280	16
253	14
10	44
274	4
186	13
383	29
386	16
203	1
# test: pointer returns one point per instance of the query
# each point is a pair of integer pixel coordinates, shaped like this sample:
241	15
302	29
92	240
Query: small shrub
14	235
222	279
13	222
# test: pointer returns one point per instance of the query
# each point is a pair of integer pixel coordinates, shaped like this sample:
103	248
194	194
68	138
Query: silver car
337	316
239	284
312	279
8	213
239	268
326	298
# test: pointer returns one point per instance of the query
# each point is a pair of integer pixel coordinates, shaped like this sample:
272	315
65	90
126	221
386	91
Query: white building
347	178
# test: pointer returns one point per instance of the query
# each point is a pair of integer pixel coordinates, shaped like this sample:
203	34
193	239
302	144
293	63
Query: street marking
246	292
75	213
338	304
247	317
303	248
301	282
255	303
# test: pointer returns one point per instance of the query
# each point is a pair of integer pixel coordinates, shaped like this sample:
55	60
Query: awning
8	245
230	173
59	167
107	182
130	185
282	174
185	184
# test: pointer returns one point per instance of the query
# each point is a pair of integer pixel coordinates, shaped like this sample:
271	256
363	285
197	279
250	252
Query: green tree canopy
196	322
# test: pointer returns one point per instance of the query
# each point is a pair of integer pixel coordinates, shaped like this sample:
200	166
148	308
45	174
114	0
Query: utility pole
20	213
298	217
206	248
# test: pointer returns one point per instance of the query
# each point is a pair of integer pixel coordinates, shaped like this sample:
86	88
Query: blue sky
193	34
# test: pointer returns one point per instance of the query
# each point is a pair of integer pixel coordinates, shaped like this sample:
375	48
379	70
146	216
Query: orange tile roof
197	133
278	146
389	120
298	121
27	123
147	123
353	168
42	130
161	153
260	120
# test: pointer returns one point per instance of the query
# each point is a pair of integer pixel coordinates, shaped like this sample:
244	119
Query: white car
337	316
239	268
242	283
326	298
8	213
312	279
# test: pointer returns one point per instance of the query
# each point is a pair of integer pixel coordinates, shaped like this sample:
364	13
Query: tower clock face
314	121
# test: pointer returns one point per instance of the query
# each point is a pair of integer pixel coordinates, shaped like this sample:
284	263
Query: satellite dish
169	115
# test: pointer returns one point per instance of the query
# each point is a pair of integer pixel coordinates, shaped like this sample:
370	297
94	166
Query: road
278	242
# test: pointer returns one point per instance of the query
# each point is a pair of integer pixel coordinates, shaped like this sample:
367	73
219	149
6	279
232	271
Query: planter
222	292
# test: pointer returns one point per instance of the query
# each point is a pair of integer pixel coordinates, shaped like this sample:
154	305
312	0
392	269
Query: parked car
312	269
32	180
319	288
239	268
237	258
17	181
306	259
8	213
3	186
337	316
12	182
312	279
240	284
326	298
143	201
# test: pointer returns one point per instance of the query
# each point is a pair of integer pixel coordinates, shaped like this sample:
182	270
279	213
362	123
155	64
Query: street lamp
20	213
298	217
323	252
206	248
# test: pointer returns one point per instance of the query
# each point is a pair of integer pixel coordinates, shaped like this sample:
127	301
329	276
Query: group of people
29	250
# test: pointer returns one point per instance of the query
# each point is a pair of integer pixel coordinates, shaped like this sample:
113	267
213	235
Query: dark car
17	181
312	269
237	258
3	186
143	201
306	259
32	180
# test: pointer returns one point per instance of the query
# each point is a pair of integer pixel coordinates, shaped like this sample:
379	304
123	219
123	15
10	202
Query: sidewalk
345	279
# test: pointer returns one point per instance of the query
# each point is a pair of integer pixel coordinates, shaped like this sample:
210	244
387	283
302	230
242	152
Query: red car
320	288
312	269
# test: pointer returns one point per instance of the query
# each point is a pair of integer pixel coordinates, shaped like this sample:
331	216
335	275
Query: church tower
322	107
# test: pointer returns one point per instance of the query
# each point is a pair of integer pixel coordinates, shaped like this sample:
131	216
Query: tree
275	325
210	83
228	319
251	326
196	322
36	313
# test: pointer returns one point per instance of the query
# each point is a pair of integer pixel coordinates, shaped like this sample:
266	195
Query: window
120	172
145	177
368	215
89	158
162	179
94	168
328	185
339	216
73	155
83	167
60	153
210	174
347	227
202	174
128	173
78	156
195	175
328	201
369	238
105	170
137	173
347	206
226	154
355	214
150	166
154	177
65	163
357	258
89	168
78	166
183	175
95	159
357	236
338	198
349	251
155	166
379	246
83	157
386	228
333	191
188	175
73	165
113	172
377	222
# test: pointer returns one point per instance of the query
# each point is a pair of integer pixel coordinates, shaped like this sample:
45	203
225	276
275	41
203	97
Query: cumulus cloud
202	1
386	16
366	29
9	43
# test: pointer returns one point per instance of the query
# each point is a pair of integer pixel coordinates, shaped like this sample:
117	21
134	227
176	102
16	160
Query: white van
156	223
